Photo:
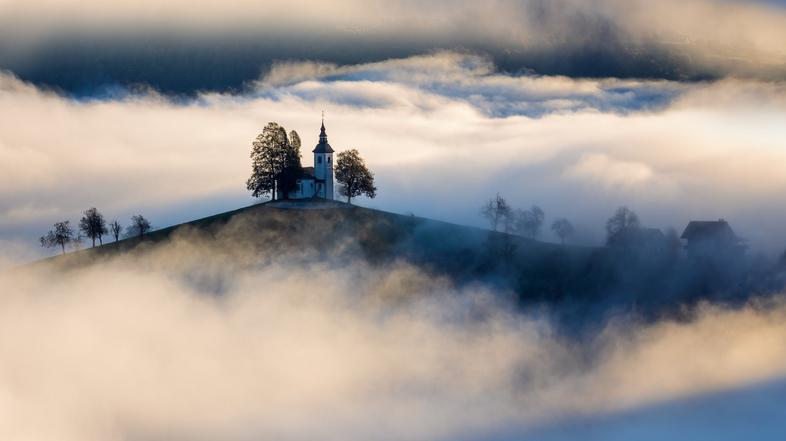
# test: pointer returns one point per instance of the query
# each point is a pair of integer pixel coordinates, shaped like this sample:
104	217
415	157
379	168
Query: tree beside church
278	173
275	162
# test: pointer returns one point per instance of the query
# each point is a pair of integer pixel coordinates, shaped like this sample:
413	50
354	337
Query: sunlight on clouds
614	174
443	128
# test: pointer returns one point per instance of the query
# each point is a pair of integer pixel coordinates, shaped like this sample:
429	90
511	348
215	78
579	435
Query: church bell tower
323	166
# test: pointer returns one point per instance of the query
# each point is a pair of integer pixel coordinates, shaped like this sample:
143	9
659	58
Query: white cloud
442	128
628	177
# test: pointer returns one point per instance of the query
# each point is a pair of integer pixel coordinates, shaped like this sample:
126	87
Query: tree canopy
624	219
528	222
93	225
496	210
353	176
61	235
275	162
562	228
139	226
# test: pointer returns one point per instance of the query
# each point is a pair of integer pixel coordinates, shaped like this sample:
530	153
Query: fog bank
189	341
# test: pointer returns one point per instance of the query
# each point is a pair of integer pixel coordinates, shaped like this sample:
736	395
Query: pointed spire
323	146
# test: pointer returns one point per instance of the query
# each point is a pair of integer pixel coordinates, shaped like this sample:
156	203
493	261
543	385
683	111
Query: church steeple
323	165
322	133
323	146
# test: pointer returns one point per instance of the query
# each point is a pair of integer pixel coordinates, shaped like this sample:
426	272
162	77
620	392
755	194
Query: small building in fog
713	239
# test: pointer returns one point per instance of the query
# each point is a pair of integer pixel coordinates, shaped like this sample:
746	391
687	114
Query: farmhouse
711	239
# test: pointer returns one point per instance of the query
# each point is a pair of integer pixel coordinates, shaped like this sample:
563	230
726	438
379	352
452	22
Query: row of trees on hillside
503	217
623	228
276	166
93	226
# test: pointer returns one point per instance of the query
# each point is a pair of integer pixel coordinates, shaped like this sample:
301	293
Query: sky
675	109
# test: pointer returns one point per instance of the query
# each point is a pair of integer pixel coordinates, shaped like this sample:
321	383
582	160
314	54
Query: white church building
317	181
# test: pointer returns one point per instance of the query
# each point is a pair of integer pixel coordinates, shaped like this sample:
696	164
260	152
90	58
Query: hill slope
339	230
583	282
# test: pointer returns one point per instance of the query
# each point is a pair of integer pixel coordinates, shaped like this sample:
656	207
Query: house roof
308	172
323	146
718	229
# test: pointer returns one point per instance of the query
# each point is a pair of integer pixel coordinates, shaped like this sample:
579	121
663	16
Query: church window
319	160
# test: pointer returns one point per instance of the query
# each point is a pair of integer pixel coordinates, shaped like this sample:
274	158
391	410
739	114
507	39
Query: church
316	181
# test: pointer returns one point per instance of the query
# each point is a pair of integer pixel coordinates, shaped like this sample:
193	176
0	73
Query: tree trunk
94	241
100	241
62	245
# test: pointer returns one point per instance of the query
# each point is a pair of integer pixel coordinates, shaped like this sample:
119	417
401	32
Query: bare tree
624	219
93	225
115	228
528	222
61	235
496	210
353	176
139	226
562	228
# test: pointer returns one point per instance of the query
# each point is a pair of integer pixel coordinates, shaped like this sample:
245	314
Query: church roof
323	146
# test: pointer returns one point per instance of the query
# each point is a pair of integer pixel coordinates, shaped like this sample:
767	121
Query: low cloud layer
446	127
189	340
